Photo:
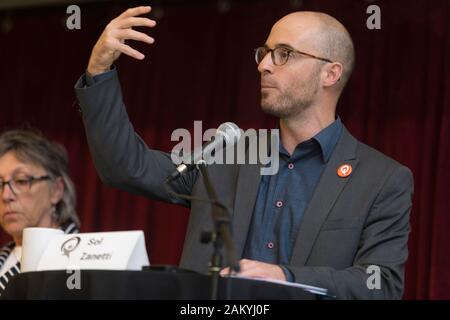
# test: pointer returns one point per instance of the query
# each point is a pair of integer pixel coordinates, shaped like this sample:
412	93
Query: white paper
34	242
312	289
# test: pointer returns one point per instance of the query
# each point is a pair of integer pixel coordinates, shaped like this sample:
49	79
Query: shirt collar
327	139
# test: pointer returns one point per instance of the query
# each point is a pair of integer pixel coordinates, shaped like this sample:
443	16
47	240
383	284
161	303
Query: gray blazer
350	224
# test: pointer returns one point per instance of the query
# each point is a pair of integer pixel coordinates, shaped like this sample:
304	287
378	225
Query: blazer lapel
325	195
247	185
246	192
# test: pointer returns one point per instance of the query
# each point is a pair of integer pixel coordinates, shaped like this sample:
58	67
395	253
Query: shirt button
270	245
291	166
279	204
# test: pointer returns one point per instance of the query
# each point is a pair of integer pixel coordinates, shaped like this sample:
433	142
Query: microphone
228	132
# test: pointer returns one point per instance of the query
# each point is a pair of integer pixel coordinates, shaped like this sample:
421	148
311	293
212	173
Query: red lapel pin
344	171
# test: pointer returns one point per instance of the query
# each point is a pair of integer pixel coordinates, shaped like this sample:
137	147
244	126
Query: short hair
331	39
337	45
30	146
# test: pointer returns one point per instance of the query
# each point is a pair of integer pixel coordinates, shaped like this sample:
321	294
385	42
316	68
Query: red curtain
202	68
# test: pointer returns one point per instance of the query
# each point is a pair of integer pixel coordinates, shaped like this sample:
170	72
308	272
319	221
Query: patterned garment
9	247
4	254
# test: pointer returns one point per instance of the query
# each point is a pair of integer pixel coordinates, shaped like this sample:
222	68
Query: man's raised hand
111	43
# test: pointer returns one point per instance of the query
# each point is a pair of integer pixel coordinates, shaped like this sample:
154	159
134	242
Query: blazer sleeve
121	157
383	247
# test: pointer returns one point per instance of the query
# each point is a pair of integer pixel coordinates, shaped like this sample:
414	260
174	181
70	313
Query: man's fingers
242	263
132	12
227	271
224	271
136	22
129	51
129	34
246	264
257	269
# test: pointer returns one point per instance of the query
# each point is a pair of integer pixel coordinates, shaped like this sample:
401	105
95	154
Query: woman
35	191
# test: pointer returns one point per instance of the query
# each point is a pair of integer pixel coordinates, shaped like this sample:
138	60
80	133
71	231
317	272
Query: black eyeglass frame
29	180
287	48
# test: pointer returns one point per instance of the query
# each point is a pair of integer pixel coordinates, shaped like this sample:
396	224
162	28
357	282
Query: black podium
147	284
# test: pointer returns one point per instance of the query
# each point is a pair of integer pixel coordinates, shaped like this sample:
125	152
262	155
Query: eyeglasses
21	185
281	55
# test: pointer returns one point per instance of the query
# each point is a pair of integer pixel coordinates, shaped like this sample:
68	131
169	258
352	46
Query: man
336	212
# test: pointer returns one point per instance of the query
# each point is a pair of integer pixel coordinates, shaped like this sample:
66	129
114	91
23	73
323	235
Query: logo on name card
69	246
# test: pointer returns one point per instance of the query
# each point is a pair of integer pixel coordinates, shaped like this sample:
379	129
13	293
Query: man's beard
286	105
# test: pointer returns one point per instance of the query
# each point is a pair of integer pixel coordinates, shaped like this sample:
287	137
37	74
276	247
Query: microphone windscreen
230	131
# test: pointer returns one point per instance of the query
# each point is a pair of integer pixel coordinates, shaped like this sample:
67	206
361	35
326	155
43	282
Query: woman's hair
30	146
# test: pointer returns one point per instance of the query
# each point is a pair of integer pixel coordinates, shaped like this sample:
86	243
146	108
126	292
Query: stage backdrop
202	68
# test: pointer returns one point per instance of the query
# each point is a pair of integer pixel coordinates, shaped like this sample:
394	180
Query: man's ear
333	74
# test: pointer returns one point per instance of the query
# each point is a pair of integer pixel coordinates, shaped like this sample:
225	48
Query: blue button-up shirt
283	198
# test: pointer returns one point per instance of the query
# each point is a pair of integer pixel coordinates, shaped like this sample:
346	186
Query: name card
121	250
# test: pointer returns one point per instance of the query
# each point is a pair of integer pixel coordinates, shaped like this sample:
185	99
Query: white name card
121	250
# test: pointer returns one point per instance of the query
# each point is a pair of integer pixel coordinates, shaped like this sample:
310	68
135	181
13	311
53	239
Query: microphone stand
220	236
